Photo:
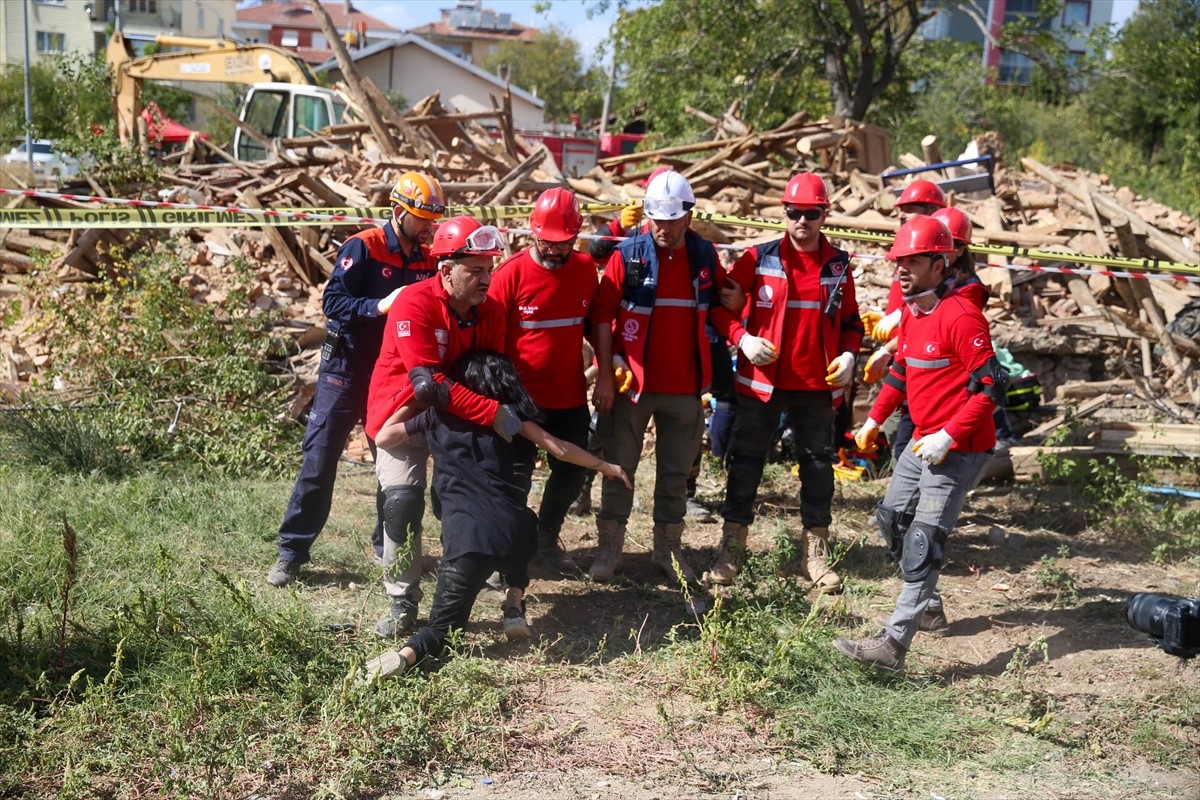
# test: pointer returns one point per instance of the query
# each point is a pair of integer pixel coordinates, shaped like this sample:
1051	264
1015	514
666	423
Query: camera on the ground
1172	623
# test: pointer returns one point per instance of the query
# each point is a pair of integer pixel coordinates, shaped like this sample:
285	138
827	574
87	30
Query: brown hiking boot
881	651
733	550
668	551
816	559
610	535
550	552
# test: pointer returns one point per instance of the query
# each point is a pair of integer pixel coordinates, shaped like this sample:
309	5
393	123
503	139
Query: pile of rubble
1084	334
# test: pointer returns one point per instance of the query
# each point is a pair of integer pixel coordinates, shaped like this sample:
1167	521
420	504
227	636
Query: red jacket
937	352
423	331
810	339
544	311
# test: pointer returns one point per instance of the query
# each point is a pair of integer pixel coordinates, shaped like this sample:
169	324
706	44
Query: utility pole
612	79
28	96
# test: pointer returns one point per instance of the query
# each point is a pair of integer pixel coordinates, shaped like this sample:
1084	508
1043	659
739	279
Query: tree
550	67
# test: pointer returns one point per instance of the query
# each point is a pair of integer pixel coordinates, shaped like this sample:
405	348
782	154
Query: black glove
428	390
507	424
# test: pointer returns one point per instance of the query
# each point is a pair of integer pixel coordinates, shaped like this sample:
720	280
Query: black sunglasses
810	214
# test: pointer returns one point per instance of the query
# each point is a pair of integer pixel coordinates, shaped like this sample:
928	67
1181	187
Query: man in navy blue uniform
372	268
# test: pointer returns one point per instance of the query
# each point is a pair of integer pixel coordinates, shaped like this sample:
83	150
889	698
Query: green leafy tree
551	67
748	53
1151	94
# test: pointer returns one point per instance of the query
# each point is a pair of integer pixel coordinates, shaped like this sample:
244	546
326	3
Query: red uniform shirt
544	312
424	331
672	355
936	355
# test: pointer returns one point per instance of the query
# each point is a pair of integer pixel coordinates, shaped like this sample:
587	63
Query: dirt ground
581	730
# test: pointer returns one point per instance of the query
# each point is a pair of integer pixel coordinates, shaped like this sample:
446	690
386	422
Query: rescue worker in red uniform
372	267
798	346
946	368
649	315
545	292
430	325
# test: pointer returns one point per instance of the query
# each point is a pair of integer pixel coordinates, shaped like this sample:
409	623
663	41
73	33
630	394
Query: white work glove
757	349
865	438
932	449
507	424
622	375
840	371
877	365
884	329
386	303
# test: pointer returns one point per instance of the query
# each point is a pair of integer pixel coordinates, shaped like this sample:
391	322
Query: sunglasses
810	214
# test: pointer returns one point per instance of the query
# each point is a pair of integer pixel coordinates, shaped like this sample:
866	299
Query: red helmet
919	235
556	216
805	189
957	221
922	192
466	236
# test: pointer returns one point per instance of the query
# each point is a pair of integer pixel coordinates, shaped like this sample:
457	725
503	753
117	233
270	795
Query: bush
157	376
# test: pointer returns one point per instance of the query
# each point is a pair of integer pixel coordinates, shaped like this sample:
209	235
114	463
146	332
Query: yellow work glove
631	215
622	375
840	371
877	365
883	330
869	320
866	436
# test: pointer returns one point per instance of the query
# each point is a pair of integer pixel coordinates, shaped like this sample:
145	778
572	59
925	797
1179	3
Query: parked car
49	166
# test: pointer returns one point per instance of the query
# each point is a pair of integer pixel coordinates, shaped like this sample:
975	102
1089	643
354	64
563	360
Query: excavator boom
209	61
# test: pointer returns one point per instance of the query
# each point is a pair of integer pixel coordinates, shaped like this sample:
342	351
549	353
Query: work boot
881	651
550	552
698	511
733	550
583	504
610	535
283	572
516	628
400	619
668	550
933	622
379	669
816	559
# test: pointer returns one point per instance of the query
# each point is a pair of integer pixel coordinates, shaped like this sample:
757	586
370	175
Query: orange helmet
805	189
556	216
926	192
420	195
957	221
920	235
466	236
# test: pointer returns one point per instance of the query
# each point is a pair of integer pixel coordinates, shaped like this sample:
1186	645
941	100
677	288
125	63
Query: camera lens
1145	611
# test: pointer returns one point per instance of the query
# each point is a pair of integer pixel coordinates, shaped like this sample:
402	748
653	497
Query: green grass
141	651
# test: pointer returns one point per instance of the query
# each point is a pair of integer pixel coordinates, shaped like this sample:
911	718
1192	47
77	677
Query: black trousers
459	581
566	480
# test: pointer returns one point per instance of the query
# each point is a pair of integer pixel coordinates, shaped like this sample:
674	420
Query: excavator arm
210	61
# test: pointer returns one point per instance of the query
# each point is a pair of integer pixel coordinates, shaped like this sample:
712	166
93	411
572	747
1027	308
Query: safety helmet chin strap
925	302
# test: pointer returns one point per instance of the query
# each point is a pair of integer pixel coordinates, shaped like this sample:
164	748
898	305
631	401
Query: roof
409	38
443	29
297	14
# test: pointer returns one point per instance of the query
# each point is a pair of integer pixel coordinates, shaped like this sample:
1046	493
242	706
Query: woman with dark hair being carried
486	524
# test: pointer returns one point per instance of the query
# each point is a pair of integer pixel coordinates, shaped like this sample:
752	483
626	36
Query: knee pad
892	527
403	508
923	548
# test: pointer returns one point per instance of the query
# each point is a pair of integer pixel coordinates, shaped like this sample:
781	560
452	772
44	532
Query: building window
200	18
319	42
143	6
1015	68
1015	10
936	27
290	39
50	43
1077	13
50	2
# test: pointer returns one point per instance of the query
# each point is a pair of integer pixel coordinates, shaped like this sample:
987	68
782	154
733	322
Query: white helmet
669	196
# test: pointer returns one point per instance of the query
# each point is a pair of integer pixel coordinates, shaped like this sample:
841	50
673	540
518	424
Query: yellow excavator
283	98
